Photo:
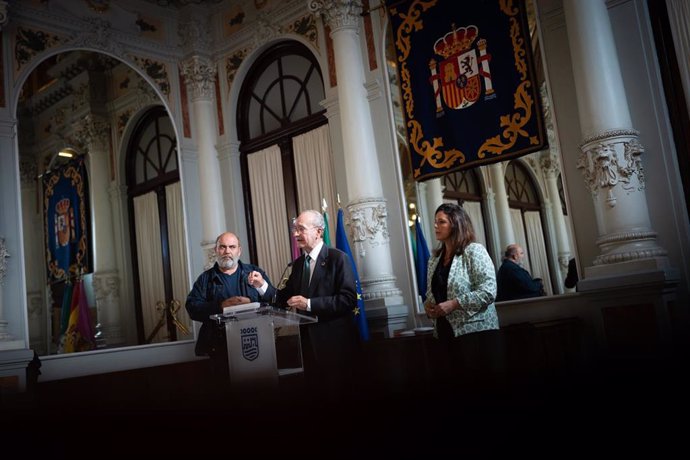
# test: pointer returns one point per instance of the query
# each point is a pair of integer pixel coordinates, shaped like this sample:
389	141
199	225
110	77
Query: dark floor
396	409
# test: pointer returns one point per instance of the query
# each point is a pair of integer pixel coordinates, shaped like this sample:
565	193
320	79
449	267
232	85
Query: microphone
281	283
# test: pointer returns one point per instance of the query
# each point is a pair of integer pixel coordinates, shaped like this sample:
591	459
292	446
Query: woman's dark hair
462	231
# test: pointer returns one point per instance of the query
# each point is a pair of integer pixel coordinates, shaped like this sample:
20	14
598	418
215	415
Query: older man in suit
514	282
322	284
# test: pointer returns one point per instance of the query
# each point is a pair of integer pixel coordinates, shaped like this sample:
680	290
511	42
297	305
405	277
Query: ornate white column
503	221
367	207
200	74
94	133
433	198
611	152
229	160
551	167
34	255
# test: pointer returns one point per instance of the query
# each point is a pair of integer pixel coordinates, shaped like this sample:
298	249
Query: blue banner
469	90
421	259
358	313
66	212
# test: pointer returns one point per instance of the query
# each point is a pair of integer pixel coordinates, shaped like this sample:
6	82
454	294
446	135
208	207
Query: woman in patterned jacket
461	280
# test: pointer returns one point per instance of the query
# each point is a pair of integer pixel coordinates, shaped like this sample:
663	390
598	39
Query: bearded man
229	282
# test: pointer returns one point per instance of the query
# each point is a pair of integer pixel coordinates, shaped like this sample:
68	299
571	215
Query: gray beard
226	264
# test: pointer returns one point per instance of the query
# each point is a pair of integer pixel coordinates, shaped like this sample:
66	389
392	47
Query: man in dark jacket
322	284
514	282
229	282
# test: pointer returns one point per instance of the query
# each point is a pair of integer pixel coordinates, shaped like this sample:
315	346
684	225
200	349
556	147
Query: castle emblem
458	78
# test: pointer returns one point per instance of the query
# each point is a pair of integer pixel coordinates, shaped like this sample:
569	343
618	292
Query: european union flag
341	243
421	259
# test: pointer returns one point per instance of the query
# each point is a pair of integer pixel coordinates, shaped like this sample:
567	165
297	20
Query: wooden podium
251	332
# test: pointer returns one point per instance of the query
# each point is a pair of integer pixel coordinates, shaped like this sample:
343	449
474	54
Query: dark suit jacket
333	297
514	282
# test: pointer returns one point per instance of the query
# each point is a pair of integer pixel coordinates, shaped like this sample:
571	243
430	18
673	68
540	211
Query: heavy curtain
149	255
271	225
314	171
178	255
535	238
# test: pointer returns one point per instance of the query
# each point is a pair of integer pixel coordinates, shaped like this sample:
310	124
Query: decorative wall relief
264	30
368	222
98	34
195	35
233	63
4	254
610	160
157	71
29	42
305	26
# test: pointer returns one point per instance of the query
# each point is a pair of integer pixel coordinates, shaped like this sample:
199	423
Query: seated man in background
228	283
514	282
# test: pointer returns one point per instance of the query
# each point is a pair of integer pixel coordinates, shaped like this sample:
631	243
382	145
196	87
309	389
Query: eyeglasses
301	229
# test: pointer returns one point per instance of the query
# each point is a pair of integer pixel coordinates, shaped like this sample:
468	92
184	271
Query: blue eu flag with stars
358	312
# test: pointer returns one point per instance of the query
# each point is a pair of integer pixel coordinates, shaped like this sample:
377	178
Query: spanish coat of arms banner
66	213
469	90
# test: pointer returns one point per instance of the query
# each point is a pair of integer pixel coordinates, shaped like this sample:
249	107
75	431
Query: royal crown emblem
458	78
64	222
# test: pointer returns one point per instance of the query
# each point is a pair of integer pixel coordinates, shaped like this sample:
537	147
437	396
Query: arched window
525	213
278	102
156	228
464	188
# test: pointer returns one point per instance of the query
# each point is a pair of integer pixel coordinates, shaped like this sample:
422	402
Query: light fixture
67	153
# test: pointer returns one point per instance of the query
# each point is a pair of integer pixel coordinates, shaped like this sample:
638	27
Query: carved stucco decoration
210	251
368	223
28	170
233	63
612	160
200	73
195	35
338	13
4	254
90	131
305	26
157	71
30	42
550	165
98	34
264	30
106	285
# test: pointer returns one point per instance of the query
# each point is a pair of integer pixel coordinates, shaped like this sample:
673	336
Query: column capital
550	165
200	73
338	14
92	132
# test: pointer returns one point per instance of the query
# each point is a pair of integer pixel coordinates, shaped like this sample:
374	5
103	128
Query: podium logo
250	343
